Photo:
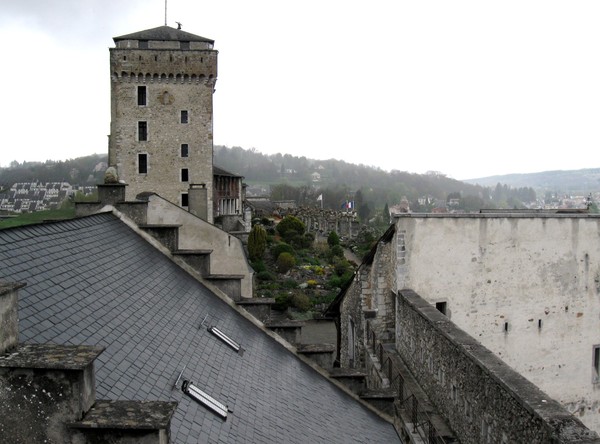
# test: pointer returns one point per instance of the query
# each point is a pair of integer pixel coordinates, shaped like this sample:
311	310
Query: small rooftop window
223	337
226	339
206	400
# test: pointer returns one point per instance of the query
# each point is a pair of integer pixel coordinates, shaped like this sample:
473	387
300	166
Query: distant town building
26	197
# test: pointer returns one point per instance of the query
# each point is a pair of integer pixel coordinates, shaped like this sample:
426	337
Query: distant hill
284	176
87	170
302	179
570	182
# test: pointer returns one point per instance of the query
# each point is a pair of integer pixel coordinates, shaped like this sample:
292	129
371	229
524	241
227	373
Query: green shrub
282	247
290	223
341	266
259	266
285	262
301	302
333	239
265	276
298	241
339	281
289	283
282	302
257	242
337	251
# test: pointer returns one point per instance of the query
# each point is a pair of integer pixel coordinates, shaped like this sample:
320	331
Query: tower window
142	163
184	116
143	44
185	175
141	95
441	307
184	200
142	131
596	365
184	150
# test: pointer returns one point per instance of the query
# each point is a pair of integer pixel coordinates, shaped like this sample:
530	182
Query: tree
290	223
285	262
386	214
257	242
364	211
333	239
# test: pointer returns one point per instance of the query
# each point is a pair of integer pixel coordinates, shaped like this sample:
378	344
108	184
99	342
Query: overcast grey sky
468	88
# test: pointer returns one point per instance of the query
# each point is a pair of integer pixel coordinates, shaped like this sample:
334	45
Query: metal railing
407	400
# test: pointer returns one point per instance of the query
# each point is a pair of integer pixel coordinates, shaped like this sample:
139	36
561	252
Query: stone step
230	284
260	308
288	329
354	379
382	399
166	234
198	259
321	354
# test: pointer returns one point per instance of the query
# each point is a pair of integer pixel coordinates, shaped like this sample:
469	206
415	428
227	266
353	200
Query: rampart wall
482	398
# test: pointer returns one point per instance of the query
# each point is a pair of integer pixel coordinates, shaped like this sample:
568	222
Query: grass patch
37	217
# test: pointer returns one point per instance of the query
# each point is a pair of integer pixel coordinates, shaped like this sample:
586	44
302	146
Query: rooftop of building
96	281
163	33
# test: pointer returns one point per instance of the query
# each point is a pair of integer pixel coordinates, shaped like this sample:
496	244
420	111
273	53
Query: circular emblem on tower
166	98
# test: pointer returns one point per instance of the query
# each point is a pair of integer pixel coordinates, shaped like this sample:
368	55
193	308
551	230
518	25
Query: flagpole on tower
165	12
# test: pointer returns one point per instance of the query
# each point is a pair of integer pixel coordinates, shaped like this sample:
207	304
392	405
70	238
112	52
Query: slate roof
95	281
164	33
217	171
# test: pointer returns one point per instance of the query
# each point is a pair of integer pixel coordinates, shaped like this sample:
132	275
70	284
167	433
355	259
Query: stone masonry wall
351	313
325	221
482	398
527	287
381	285
175	81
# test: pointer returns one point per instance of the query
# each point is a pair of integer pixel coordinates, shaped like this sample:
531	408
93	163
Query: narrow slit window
142	131
185	176
143	163
141	96
184	116
441	307
184	200
185	150
596	365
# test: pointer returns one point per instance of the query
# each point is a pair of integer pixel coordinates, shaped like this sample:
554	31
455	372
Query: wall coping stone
51	356
9	287
140	415
499	215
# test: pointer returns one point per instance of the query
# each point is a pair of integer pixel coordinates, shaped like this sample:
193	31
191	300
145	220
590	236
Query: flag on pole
320	198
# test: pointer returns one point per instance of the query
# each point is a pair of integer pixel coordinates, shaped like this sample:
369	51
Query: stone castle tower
162	84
